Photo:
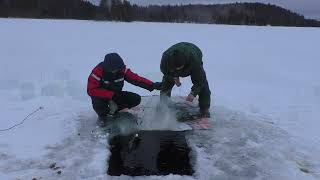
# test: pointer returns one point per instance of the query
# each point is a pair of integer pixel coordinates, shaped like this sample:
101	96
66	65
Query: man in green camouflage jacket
182	60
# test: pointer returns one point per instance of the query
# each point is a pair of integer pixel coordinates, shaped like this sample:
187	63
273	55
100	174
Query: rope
38	109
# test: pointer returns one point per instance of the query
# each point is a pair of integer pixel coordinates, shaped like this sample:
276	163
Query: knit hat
113	62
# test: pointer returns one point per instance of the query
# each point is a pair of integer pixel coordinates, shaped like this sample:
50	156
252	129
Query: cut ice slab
123	123
129	121
174	115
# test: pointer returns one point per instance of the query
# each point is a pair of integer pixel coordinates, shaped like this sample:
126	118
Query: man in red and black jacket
105	85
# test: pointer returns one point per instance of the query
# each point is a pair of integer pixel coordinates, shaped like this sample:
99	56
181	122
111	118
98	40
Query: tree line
122	10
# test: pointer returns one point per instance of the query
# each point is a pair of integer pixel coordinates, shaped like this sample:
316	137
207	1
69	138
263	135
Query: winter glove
157	85
113	107
190	97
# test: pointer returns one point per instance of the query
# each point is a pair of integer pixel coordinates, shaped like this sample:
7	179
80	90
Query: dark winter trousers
124	100
204	95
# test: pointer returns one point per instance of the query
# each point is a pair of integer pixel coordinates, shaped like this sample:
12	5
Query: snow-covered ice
265	83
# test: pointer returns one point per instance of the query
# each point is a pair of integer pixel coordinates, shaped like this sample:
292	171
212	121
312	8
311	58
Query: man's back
192	54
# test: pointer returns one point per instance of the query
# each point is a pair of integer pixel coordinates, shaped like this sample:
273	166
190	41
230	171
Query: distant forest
121	10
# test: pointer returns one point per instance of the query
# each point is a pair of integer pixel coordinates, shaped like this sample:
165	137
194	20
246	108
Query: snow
265	84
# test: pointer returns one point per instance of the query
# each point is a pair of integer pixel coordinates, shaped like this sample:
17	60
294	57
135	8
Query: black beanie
178	59
113	62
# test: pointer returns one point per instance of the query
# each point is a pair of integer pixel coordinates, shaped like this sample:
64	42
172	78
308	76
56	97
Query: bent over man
182	60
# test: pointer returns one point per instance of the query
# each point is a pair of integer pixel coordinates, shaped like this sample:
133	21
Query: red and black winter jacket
105	84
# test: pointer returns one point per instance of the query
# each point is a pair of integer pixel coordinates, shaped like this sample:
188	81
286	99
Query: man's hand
157	85
190	97
177	81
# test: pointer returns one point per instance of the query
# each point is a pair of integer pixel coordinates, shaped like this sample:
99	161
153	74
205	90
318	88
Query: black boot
204	113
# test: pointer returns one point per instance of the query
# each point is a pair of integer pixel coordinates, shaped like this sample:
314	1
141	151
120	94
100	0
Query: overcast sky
308	8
